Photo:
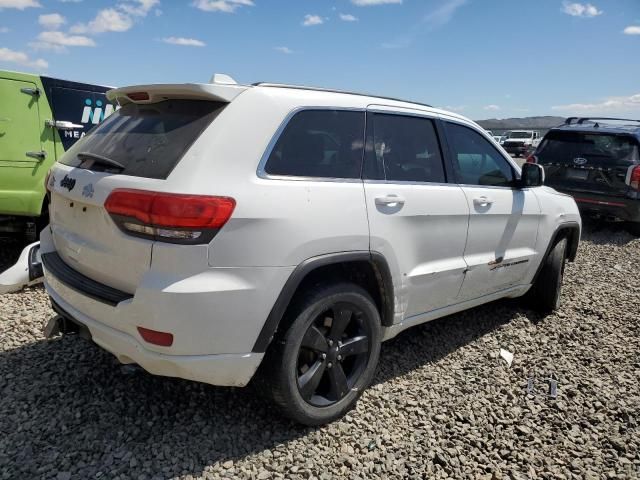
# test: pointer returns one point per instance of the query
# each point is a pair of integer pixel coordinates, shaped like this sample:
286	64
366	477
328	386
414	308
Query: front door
416	219
503	220
20	146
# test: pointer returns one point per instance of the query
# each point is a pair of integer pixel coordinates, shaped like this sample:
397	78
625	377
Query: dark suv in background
597	161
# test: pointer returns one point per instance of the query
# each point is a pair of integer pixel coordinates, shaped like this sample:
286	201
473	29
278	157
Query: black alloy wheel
333	354
319	364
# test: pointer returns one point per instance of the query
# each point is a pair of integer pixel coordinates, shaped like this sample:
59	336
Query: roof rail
329	90
581	120
569	120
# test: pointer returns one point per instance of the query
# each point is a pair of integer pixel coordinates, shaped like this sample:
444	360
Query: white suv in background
224	233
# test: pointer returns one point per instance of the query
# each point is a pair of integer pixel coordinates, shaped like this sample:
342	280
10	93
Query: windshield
570	145
143	140
520	135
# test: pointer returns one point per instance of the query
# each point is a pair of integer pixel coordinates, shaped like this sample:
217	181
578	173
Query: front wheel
544	295
317	371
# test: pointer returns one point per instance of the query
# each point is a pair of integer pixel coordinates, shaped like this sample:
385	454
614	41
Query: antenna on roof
222	79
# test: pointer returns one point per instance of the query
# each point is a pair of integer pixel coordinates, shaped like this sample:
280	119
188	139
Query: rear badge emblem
68	182
580	161
87	191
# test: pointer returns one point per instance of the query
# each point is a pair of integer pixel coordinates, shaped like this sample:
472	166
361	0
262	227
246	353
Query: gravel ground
443	403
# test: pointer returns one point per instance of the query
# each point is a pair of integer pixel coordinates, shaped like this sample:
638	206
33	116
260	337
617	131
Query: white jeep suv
223	233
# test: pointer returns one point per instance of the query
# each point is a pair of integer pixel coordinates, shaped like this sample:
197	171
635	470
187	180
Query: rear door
135	148
595	163
76	108
503	220
20	145
417	220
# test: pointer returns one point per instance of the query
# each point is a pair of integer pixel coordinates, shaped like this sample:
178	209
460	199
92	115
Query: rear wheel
544	295
317	371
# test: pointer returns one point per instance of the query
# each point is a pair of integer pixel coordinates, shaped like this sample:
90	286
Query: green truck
40	118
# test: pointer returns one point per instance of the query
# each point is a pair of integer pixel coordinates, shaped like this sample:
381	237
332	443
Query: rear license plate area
575	174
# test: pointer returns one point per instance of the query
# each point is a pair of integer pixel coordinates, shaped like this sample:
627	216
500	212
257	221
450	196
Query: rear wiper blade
100	159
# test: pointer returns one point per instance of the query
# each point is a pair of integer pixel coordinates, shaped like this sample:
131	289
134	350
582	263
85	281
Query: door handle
63	125
390	200
40	156
30	91
482	201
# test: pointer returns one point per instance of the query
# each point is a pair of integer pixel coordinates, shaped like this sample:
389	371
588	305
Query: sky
480	58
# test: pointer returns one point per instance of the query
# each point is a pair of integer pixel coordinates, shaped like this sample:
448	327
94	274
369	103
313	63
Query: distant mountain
527	123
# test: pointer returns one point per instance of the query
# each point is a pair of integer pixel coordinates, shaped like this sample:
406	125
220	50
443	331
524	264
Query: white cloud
107	20
226	6
347	17
455	108
118	19
139	8
4	30
57	41
286	50
185	42
433	20
366	3
310	20
444	14
492	108
19	4
609	105
52	21
21	58
632	30
580	9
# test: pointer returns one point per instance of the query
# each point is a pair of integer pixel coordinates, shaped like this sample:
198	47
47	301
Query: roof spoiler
581	120
222	88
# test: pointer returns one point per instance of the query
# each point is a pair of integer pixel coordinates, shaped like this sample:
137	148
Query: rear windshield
143	140
565	146
520	135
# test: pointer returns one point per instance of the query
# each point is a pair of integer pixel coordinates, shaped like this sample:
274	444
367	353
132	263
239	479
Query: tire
544	295
633	228
316	371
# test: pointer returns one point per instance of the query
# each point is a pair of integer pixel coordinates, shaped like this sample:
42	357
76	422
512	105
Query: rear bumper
226	369
214	314
622	208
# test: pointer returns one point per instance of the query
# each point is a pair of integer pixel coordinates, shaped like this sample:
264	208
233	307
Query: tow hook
62	325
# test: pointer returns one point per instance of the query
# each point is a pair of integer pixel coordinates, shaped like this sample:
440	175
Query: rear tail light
532	159
138	96
169	217
163	339
634	178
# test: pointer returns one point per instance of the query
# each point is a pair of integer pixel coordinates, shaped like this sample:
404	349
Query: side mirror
532	175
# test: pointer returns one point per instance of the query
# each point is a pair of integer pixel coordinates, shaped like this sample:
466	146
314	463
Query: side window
320	143
403	148
475	160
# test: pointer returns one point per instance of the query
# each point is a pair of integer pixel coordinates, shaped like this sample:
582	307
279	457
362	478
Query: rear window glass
144	140
403	148
320	143
565	146
520	135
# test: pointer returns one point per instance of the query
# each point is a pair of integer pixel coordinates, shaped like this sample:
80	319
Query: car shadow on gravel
602	232
67	405
430	342
64	404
